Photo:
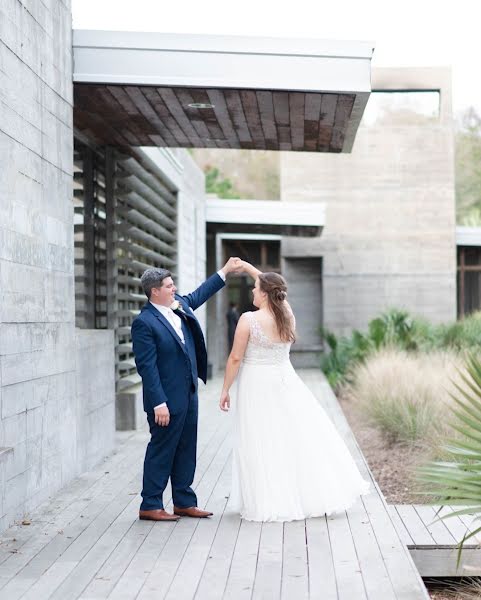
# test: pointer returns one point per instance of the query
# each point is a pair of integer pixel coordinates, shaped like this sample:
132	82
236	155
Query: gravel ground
393	468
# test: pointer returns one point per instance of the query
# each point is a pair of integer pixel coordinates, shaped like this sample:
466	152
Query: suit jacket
168	367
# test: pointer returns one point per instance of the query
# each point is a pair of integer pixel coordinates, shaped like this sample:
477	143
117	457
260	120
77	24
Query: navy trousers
171	452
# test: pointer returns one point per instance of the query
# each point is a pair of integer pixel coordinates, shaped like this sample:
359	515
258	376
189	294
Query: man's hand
224	401
233	265
162	416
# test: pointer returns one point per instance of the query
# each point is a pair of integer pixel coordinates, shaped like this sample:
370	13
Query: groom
170	355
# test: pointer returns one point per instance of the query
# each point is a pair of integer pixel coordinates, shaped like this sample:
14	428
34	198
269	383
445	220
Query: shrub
462	334
406	395
396	329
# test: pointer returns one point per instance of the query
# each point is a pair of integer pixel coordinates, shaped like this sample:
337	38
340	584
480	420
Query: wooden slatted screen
125	222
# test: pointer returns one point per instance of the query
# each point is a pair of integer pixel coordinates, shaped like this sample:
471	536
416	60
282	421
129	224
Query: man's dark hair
153	278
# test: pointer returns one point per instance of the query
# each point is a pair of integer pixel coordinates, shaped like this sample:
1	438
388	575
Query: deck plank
438	558
190	570
214	578
179	542
295	574
51	517
267	585
88	542
457	528
438	530
373	570
400	526
346	565
417	529
470	521
402	571
242	573
322	576
74	539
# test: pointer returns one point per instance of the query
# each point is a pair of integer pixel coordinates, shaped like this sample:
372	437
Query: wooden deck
432	543
88	543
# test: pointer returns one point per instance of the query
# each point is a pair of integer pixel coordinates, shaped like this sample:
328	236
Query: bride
289	461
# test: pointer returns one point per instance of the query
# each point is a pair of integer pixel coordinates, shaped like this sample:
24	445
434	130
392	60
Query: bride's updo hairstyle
274	285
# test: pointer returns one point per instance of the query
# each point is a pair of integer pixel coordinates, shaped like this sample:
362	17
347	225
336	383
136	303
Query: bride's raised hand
249	269
224	401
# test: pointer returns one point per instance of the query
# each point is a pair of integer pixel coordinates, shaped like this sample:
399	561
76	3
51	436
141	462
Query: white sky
406	33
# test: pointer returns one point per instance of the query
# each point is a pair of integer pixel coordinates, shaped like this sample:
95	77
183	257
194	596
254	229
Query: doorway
265	254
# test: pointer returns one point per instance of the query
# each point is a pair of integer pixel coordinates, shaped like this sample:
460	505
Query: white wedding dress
289	461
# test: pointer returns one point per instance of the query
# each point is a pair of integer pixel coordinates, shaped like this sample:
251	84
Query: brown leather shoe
159	514
192	511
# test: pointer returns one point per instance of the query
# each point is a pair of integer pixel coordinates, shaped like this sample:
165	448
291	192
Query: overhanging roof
265	216
468	236
147	89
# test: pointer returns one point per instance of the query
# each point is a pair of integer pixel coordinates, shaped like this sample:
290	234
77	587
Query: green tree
215	184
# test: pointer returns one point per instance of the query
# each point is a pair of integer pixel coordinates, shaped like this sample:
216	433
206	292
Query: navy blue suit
170	372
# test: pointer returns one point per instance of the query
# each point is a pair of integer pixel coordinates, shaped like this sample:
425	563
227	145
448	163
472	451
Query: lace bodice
261	349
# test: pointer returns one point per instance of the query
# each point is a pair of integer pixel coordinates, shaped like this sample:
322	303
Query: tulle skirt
289	461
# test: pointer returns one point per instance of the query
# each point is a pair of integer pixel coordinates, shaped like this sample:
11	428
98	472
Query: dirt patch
392	464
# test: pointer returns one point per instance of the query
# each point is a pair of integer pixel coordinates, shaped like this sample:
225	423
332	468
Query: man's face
164	295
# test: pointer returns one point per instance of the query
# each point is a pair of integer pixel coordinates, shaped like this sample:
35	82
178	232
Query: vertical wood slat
217	98
165	116
113	96
328	113
106	105
111	247
142	101
312	113
296	110
236	111
266	111
281	113
209	117
89	238
251	112
177	111
194	115
344	106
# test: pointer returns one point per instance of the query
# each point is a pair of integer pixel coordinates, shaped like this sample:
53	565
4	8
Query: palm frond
457	479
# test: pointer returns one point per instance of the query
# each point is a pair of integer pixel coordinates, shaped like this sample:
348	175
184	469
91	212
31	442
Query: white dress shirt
175	321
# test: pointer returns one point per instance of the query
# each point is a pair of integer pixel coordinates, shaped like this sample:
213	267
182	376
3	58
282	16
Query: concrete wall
191	229
95	387
389	238
37	351
47	437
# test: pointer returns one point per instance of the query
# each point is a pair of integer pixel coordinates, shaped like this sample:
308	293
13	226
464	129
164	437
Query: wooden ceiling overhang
193	91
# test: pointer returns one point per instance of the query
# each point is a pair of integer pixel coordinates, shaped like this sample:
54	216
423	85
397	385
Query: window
408	107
